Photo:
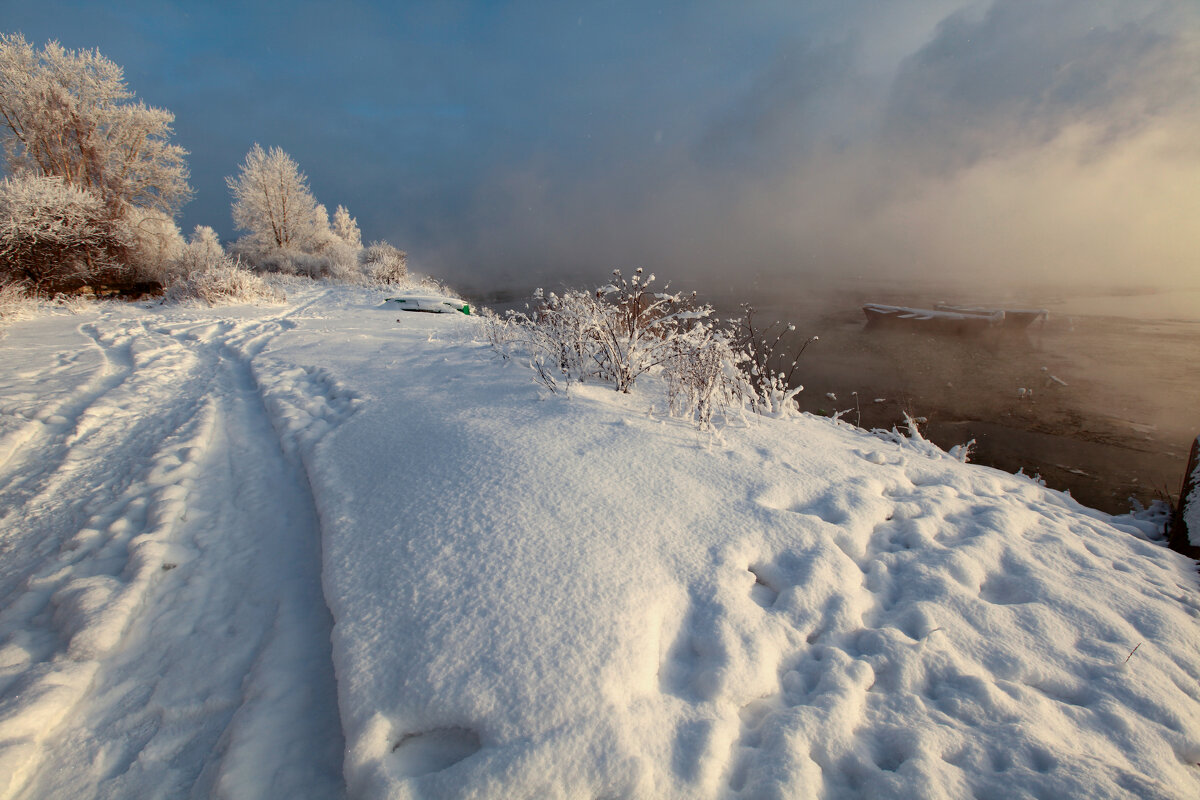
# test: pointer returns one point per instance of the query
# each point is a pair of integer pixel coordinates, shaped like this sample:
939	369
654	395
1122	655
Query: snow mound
545	597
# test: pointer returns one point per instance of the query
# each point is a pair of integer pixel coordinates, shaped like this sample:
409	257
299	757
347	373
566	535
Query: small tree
273	204
345	227
206	244
156	244
383	263
203	251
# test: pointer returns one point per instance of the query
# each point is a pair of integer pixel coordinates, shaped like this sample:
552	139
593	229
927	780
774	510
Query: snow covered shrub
59	237
223	282
264	259
625	329
383	263
331	255
564	334
341	261
765	364
290	262
704	377
621	332
639	329
156	244
501	332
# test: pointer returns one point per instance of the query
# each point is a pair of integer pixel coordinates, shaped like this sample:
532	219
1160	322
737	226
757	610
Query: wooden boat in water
1010	318
929	319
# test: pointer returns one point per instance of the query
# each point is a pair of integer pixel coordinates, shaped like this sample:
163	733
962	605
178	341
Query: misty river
1111	399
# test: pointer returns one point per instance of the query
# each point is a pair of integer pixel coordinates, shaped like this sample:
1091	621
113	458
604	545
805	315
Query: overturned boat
431	303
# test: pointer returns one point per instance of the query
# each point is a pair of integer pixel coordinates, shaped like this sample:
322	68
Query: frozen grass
224	284
15	304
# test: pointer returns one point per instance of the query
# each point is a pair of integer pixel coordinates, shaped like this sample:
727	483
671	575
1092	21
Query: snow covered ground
208	514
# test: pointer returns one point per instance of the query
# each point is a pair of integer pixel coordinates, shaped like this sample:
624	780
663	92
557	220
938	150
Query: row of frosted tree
94	186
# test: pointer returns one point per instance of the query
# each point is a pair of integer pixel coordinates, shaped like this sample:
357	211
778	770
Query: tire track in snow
32	436
237	582
78	475
36	449
87	529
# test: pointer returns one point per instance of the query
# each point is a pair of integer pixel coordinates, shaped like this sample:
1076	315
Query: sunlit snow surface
536	596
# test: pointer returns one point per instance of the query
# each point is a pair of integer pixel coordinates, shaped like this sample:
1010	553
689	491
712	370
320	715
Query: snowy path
163	629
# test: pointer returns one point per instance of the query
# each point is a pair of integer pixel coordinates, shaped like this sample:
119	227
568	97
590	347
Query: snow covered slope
535	596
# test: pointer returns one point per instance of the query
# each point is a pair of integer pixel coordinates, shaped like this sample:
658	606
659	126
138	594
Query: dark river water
1101	399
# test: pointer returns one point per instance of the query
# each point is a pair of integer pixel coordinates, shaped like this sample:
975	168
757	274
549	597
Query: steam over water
1111	399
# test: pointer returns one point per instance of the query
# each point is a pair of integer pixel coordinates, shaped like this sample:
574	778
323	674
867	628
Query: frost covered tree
346	228
273	204
205	242
203	251
69	114
74	135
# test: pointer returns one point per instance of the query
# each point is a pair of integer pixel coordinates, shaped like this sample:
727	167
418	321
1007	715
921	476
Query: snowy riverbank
535	596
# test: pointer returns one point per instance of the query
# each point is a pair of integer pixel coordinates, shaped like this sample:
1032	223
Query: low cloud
1049	141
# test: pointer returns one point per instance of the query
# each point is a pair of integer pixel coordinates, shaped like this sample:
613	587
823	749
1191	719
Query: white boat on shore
431	303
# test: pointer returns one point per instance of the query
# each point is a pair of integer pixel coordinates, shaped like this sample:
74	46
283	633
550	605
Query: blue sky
525	141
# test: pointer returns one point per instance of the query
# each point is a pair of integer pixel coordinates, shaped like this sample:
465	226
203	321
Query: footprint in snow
693	669
1003	590
763	592
434	750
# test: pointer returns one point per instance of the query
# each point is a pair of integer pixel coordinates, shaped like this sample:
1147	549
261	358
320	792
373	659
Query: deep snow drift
535	596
